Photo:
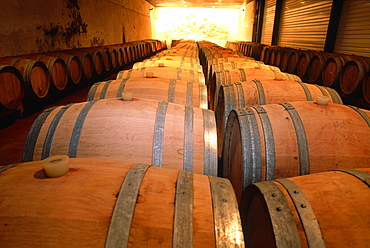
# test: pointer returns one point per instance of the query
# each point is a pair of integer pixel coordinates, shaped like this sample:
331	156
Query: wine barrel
293	61
108	203
237	75
331	71
113	54
172	72
303	63
256	51
107	58
214	67
35	76
285	54
352	75
193	60
265	54
261	92
57	69
171	90
98	60
292	139
11	88
73	63
130	52
316	66
366	87
142	130
327	209
168	63
86	61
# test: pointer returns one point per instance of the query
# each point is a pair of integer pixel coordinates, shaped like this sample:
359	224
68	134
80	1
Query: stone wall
34	26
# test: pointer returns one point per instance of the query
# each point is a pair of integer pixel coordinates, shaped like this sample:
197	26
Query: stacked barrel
291	159
142	156
199	146
347	73
29	78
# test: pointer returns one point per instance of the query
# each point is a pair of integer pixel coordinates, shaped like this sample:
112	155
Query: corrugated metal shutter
304	24
268	21
353	35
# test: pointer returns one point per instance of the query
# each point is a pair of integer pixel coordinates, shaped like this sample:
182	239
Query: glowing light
196	23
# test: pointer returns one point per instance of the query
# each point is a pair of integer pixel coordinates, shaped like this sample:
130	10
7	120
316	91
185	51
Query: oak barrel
331	71
261	92
86	61
172	72
171	90
73	63
108	203
292	139
316	66
168	63
239	75
142	130
35	75
57	69
11	88
352	75
293	61
327	209
97	57
366	87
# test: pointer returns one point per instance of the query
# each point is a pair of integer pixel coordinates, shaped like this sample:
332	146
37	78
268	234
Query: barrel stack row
28	78
197	146
290	157
348	74
143	167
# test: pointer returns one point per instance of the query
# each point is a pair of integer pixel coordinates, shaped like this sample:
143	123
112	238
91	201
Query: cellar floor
14	129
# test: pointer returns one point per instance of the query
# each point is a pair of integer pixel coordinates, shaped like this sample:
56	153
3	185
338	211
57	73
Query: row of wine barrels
345	73
291	139
11	89
262	92
167	89
57	69
49	73
326	209
35	75
266	140
134	205
84	121
74	65
142	130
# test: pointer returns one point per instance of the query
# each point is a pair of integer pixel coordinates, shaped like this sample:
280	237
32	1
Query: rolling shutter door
268	21
353	35
304	24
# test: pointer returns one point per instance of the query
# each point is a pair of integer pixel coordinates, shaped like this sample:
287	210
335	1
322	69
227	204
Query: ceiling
199	3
